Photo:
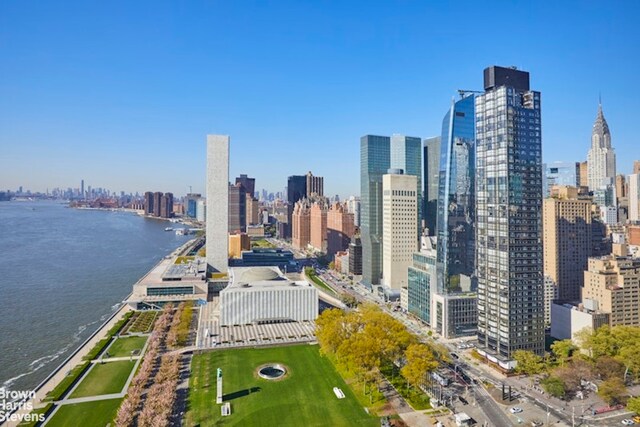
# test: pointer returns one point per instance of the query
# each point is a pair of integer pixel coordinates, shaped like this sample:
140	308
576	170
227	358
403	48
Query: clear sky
122	93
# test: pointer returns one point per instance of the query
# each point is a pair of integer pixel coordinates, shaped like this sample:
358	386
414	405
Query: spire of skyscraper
601	160
601	134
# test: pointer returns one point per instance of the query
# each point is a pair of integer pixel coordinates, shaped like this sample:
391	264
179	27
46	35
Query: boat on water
168	229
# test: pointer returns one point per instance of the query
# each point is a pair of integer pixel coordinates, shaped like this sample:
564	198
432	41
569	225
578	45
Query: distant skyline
123	94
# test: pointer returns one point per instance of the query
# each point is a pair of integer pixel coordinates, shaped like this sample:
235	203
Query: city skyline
81	102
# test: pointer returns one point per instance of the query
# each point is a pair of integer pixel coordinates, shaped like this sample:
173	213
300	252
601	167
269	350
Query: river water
63	271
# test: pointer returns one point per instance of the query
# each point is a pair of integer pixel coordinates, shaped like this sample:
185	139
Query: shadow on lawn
241	393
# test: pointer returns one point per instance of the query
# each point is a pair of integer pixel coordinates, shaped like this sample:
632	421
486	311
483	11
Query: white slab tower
218	202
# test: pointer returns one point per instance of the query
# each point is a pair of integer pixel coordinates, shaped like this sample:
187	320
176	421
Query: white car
627	422
515	410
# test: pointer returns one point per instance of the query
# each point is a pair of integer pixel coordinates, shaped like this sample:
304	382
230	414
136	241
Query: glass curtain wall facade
421	275
431	171
560	173
375	160
509	211
406	154
456	201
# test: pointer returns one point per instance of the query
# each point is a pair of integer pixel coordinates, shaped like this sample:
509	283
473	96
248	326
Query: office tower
191	204
355	256
456	200
82	189
252	210
612	285
237	209
621	186
353	207
636	166
166	205
237	243
601	160
374	162
340	228
431	172
578	174
560	173
421	280
377	155
453	297
567	240
201	210
584	175
406	154
550	295
157	203
217	213
249	184
148	203
318	227
634	197
609	214
301	225
399	232
509	205
315	185
296	190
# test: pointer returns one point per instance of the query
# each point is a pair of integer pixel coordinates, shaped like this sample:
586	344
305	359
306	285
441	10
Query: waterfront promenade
75	359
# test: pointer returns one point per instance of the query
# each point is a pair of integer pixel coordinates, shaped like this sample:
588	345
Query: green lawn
318	282
122	347
89	414
304	398
262	243
105	378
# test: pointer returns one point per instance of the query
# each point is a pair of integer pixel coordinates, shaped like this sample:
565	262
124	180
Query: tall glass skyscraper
431	172
509	216
375	160
454	310
377	155
456	200
406	154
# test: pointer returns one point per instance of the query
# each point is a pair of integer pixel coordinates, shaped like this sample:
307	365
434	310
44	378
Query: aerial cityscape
325	228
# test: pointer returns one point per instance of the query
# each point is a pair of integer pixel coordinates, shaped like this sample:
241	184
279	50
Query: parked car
515	410
463	400
627	422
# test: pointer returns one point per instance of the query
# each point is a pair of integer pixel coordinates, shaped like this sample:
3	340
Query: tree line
608	357
366	340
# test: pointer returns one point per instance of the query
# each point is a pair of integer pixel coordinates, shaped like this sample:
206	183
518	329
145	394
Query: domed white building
264	295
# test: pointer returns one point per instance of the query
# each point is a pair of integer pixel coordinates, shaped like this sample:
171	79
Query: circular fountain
272	371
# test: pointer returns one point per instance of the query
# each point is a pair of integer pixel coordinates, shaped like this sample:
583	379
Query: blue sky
122	94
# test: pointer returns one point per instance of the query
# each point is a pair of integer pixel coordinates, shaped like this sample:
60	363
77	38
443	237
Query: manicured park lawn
89	414
122	347
304	398
104	378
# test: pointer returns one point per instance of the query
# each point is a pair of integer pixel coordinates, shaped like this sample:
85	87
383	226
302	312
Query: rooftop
253	278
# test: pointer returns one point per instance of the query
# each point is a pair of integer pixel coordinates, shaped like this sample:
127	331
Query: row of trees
364	341
609	356
133	402
179	333
158	403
